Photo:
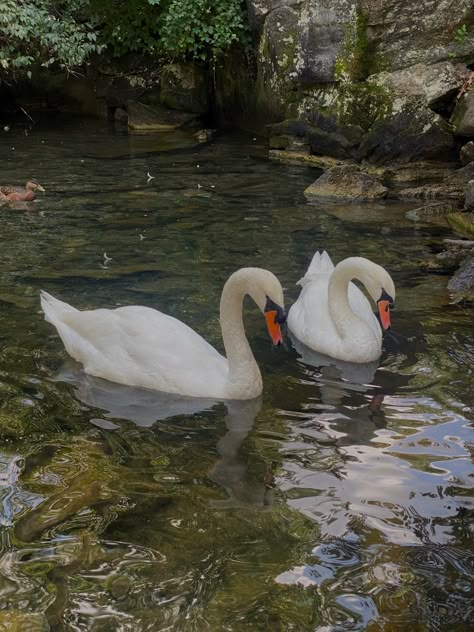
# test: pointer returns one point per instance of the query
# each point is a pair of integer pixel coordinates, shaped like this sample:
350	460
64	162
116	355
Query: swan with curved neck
140	346
332	316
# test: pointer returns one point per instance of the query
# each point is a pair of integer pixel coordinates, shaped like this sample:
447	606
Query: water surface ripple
339	501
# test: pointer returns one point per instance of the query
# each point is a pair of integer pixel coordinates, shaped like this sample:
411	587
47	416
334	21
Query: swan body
140	346
332	316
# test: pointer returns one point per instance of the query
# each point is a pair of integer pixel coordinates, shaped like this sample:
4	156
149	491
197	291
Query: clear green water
327	506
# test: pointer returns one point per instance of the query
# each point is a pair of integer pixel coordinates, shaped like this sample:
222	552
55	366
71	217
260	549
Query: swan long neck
242	365
345	320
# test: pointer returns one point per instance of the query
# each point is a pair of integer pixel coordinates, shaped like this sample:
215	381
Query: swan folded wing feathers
148	341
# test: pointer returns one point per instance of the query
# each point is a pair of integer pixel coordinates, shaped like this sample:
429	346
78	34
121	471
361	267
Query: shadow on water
340	501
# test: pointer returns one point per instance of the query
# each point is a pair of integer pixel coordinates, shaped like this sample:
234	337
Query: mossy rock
462	223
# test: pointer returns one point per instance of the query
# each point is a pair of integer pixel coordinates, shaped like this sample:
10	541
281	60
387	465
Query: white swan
332	316
140	346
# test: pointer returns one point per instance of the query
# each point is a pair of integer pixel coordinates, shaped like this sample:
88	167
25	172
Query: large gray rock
410	135
467	153
461	285
407	33
463	116
469	196
430	83
347	182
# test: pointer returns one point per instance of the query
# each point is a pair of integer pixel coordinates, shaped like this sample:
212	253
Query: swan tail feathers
320	264
53	308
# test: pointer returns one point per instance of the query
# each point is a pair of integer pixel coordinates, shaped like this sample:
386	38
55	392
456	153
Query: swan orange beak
275	316
385	304
274	328
384	313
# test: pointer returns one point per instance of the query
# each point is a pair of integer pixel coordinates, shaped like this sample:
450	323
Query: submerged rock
430	211
321	134
449	259
146	117
347	182
305	159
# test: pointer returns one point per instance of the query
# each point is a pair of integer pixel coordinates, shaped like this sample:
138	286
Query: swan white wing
140	346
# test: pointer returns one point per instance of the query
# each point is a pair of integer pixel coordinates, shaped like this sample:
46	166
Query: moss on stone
275	76
360	57
360	102
462	223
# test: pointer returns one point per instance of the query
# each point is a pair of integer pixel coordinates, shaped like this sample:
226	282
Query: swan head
381	288
265	289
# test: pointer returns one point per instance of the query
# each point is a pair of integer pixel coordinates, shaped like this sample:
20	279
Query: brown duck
20	194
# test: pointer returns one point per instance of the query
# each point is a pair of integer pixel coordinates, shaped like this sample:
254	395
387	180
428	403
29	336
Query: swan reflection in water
145	407
341	382
356	376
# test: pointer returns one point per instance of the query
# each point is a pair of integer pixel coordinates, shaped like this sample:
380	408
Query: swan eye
385	296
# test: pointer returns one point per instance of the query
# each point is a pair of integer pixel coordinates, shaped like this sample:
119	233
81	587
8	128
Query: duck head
34	185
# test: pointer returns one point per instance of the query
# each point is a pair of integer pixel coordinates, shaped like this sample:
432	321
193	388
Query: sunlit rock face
410	33
359	63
